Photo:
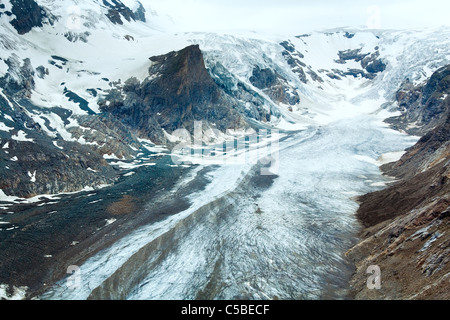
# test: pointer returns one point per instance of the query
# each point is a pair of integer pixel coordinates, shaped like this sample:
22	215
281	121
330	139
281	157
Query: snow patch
432	239
366	159
55	143
19	293
110	157
95	201
110	221
32	176
390	157
6	98
4	127
133	165
21	136
3	68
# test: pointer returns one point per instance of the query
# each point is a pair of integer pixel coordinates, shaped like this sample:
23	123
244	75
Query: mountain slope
405	224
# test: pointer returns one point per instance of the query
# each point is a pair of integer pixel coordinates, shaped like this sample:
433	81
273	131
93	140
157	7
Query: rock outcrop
27	15
19	80
118	11
178	92
371	64
293	58
254	106
275	86
37	160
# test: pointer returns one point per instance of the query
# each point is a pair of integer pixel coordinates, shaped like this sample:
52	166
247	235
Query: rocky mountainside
27	15
406	225
29	154
423	106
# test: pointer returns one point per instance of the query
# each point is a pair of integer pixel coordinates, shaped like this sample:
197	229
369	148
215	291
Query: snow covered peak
69	15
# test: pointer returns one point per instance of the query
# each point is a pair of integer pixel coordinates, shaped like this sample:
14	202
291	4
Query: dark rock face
117	10
274	85
288	46
293	57
139	13
41	72
438	84
370	63
428	151
263	78
374	66
178	92
106	135
84	105
355	55
314	76
38	166
29	15
405	223
425	106
333	76
349	35
53	170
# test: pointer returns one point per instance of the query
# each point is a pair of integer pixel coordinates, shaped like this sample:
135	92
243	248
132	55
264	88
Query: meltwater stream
248	236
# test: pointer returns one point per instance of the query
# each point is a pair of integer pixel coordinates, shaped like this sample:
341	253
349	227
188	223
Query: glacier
282	241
